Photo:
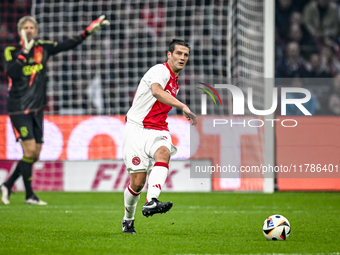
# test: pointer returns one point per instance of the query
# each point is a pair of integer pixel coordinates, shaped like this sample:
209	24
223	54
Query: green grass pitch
198	223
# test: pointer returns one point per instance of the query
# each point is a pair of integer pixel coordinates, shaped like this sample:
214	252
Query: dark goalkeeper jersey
27	74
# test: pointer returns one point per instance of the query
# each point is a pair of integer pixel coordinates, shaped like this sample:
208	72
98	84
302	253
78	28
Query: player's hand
26	45
190	115
96	25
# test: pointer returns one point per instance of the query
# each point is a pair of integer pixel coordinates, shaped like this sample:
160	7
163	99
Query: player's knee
32	154
137	181
137	185
162	154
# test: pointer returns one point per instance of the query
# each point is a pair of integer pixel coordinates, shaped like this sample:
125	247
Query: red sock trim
161	164
132	192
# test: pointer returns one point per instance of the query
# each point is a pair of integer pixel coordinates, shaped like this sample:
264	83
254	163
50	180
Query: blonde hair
24	19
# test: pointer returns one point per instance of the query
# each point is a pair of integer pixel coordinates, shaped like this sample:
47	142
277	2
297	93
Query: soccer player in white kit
147	135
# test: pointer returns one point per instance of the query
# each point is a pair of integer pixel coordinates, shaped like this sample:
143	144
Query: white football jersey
146	110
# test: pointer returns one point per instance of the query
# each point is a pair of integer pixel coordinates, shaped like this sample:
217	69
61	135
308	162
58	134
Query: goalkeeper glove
26	45
95	26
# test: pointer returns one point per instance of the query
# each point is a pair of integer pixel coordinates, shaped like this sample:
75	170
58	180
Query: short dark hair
175	42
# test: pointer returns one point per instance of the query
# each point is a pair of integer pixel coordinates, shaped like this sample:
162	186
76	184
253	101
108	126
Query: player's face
179	58
30	30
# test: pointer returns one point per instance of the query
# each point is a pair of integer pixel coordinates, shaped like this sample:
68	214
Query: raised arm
164	97
74	41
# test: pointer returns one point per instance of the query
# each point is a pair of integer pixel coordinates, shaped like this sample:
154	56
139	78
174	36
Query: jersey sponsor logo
136	160
29	70
172	86
172	92
173	89
23	131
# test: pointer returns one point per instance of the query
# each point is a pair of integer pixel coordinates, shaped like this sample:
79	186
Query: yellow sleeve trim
43	42
8	53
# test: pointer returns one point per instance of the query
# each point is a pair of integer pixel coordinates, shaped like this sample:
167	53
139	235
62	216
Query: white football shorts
140	144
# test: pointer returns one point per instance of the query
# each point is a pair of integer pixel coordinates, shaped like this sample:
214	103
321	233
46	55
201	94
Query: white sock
130	201
157	179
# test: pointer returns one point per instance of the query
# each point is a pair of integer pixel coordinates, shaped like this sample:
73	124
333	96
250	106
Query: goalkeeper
25	66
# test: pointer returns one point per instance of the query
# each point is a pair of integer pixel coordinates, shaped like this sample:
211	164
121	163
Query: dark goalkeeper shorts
28	126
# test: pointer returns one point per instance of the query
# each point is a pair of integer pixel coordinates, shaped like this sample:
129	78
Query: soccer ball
276	227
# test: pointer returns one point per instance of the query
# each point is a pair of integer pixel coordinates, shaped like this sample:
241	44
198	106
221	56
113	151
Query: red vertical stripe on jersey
32	78
38	54
156	118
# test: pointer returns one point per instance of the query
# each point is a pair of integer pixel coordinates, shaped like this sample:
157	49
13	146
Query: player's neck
175	71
